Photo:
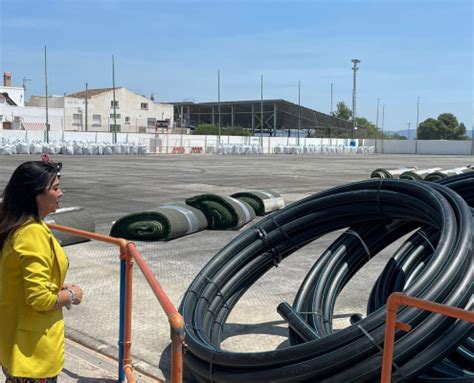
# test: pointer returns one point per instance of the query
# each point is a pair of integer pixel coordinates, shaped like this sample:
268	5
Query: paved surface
87	366
110	187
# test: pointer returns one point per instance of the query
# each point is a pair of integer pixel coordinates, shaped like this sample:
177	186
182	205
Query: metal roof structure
268	116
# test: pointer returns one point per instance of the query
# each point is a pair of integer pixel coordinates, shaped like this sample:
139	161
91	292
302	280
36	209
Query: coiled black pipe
404	266
397	275
347	355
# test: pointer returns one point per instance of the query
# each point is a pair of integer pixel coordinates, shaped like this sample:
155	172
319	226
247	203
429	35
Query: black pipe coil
377	212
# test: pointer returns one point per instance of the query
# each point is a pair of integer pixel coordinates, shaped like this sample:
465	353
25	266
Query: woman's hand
67	292
77	291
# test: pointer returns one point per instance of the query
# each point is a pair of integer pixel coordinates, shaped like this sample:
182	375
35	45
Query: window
151	122
112	103
112	127
96	120
77	119
127	120
116	114
144	105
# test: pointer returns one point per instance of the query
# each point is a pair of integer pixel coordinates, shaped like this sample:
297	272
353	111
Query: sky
409	50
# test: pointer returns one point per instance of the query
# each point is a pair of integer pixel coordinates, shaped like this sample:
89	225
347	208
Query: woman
32	271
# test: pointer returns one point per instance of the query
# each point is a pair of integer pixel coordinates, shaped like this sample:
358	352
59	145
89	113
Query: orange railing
398	299
128	253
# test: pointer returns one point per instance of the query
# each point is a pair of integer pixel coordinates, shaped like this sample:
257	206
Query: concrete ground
110	187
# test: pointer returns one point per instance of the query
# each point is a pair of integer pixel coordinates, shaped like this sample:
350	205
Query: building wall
53	101
18	114
16	93
131	117
443	147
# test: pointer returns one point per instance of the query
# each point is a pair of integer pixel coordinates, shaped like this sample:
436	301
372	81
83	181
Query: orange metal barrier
128	252
398	299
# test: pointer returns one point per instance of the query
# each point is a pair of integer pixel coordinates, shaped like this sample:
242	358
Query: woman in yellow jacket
33	267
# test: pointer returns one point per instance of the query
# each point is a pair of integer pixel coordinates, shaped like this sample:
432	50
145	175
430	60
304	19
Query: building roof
239	113
91	92
7	98
34	125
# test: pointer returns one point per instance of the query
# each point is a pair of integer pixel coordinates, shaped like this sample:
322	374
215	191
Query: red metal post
398	299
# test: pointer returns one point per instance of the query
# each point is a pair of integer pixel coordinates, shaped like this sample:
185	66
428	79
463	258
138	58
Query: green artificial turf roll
223	212
165	223
262	201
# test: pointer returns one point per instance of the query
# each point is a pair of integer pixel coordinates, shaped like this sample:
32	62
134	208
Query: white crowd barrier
75	148
234	149
322	149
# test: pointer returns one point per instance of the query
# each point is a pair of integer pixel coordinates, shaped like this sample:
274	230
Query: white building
15	93
15	115
133	113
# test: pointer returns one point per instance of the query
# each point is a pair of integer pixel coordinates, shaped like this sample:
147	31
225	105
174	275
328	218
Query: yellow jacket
32	271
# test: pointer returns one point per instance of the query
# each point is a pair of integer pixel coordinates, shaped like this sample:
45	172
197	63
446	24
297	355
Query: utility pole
409	124
46	133
332	114
472	139
261	111
299	113
383	120
417	123
354	93
377	123
85	125
114	131
331	111
219	102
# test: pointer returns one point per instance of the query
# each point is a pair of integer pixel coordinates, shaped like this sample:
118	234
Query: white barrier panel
442	147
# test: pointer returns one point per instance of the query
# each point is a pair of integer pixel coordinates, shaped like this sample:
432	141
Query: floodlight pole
354	104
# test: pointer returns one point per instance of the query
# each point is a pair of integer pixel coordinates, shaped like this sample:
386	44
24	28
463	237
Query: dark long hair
19	197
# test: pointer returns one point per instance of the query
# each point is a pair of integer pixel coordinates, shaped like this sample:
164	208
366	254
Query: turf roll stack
419	174
440	174
390	173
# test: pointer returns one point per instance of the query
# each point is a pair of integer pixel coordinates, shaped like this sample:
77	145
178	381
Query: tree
370	129
446	127
397	136
342	111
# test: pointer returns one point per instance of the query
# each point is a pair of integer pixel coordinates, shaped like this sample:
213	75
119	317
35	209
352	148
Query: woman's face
48	200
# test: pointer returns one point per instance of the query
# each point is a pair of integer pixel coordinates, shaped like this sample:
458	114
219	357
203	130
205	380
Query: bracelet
72	298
